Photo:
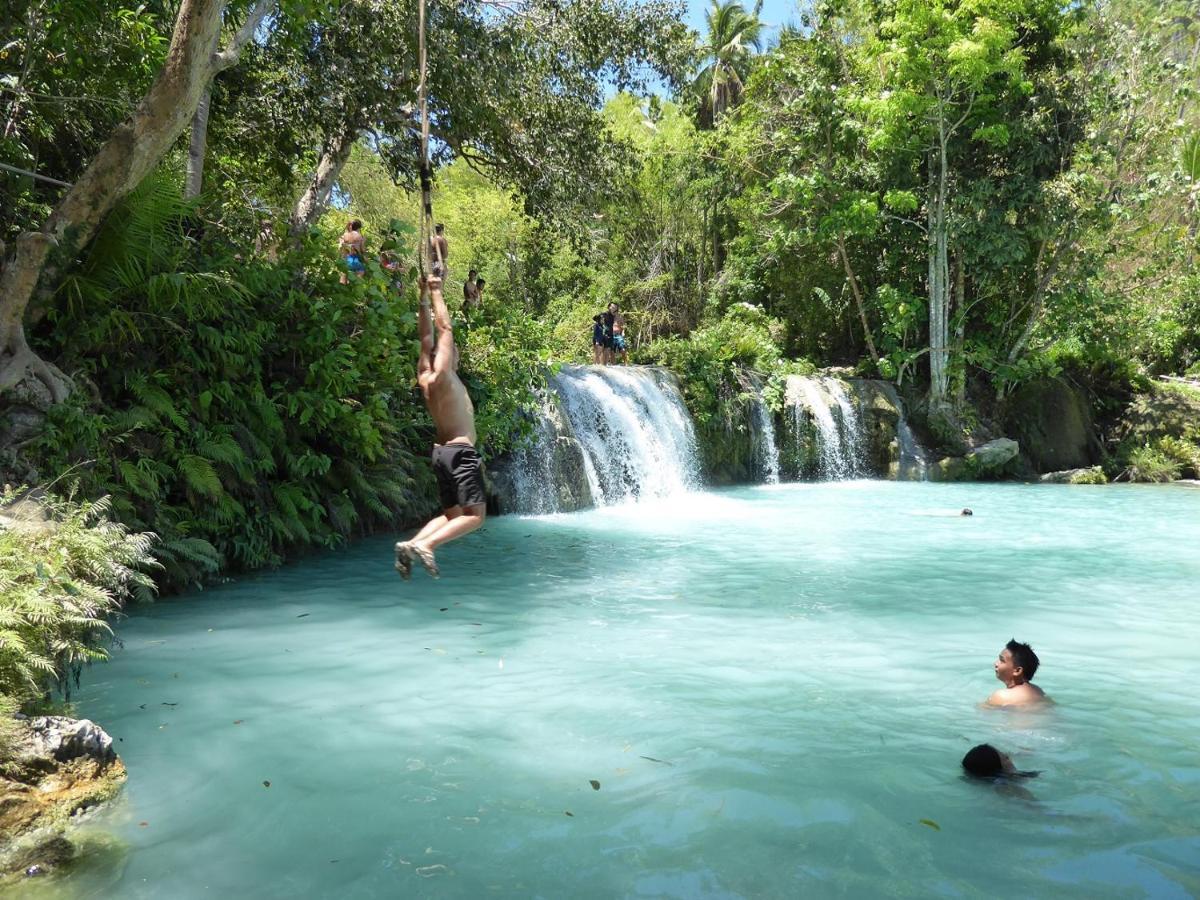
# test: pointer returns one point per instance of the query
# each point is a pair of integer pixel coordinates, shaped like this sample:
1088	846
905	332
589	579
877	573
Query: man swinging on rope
456	462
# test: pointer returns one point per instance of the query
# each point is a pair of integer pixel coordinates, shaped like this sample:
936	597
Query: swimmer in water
1015	666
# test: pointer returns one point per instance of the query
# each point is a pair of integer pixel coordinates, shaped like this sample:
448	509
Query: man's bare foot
403	559
425	556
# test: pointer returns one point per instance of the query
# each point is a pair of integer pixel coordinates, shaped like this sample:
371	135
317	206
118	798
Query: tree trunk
194	182
315	199
198	146
133	149
960	328
858	298
939	277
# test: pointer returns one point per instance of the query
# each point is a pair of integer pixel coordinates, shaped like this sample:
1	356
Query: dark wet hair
354	225
984	761
1024	657
596	318
967	511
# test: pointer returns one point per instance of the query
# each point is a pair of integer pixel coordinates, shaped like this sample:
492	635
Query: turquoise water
771	686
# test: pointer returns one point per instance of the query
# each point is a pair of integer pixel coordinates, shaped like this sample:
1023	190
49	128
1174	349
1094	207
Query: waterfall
635	431
838	450
766	450
913	464
530	479
607	434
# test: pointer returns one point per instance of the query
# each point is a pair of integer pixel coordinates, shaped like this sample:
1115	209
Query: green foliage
65	569
722	367
1092	475
267	407
1148	463
9	730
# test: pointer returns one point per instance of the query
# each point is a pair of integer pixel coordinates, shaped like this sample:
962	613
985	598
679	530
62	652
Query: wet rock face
1052	422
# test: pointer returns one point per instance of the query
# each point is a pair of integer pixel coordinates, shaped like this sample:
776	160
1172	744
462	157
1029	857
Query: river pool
761	692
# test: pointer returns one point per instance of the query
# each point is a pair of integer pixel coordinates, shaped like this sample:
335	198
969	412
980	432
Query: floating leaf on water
663	761
302	615
444	609
430	871
238	721
932	824
595	784
569	813
266	784
165	703
143	824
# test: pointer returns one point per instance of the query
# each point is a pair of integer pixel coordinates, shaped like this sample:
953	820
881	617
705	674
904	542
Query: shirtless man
470	292
456	462
439	251
1016	666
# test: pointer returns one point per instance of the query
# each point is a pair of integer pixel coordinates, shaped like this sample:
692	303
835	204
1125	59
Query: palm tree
733	35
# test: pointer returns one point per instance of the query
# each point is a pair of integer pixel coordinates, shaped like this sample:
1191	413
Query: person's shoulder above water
1017	696
1015	666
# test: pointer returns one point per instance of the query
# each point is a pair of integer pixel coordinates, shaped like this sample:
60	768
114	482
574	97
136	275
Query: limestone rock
1086	475
65	739
990	460
1052	422
60	767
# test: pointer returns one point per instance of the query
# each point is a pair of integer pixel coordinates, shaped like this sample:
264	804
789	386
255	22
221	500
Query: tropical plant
65	569
726	54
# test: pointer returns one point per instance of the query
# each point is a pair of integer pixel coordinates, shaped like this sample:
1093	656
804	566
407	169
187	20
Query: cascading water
766	449
535	479
606	435
913	463
838	438
636	434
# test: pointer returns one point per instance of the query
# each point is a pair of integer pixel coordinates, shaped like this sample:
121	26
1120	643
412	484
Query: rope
9	168
426	229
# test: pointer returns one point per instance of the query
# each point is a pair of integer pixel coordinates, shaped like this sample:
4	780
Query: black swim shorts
459	472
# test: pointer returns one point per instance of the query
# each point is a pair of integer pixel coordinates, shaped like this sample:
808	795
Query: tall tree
726	54
134	148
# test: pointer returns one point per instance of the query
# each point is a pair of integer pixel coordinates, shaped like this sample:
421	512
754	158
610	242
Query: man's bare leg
472	517
404	555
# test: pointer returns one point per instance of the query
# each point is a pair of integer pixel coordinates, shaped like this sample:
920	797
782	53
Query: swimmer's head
986	761
1017	661
967	511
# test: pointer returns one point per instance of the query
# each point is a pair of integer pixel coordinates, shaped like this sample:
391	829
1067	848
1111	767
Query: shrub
65	568
1148	463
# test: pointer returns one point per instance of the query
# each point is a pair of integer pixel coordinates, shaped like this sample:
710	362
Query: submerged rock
59	768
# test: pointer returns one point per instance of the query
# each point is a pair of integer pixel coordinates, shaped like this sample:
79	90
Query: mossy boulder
1052	422
987	461
1088	475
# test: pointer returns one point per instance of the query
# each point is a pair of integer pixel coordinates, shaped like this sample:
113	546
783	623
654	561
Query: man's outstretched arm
446	358
425	331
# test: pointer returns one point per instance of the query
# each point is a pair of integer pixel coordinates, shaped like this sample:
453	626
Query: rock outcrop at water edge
57	769
991	460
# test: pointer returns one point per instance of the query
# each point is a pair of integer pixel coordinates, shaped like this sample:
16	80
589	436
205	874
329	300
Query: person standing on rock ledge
456	462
